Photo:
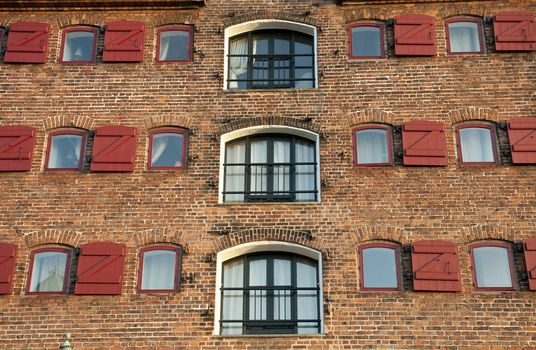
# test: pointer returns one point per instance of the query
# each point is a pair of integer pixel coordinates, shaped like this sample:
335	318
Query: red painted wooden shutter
100	268
424	143
8	252
16	147
514	32
529	246
27	42
415	35
522	136
436	266
114	149
124	42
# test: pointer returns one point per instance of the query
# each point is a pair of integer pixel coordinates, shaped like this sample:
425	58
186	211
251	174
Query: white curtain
282	298
259	173
235	175
305	174
476	145
281	172
372	146
48	273
464	37
306	276
233	302
238	66
65	152
167	150
174	45
158	270
492	267
78	46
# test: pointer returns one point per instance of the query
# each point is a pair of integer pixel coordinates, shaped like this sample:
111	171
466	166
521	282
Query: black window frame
270	195
271	326
272	34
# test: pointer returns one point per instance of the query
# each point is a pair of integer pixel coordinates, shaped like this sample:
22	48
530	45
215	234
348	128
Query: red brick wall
398	203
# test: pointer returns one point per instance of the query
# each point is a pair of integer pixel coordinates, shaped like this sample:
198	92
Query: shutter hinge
519	247
189	277
502	125
209	258
77	251
218	232
390	22
406	248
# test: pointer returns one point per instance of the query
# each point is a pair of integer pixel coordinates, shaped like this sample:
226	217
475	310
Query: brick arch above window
370	115
90	20
267	15
474	113
242	123
366	14
171	19
487	232
57	122
180	121
52	236
162	235
364	233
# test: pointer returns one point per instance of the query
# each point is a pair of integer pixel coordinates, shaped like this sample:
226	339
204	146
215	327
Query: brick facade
460	204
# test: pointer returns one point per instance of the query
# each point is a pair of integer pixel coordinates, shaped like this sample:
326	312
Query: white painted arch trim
269	129
262	24
265	246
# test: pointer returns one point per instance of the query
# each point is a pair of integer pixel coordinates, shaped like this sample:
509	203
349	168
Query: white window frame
265	246
268	129
268	24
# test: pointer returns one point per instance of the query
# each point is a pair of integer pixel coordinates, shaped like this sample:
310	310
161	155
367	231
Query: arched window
379	266
79	45
49	271
366	40
464	35
372	145
174	44
477	144
159	270
493	267
65	150
167	149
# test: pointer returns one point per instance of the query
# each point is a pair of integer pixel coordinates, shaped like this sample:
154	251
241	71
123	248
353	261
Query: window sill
234	91
242	336
268	203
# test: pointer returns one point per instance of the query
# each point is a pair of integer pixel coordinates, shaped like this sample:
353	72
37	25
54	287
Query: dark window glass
366	41
79	46
174	45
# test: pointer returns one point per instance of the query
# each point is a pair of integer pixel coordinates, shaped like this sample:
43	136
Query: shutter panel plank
424	143
124	42
514	32
529	247
114	148
415	35
16	147
27	42
436	266
522	137
100	268
8	253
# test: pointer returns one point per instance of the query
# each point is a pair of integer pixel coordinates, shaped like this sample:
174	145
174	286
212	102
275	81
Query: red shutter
114	149
522	136
16	147
415	35
27	42
100	268
529	246
514	32
124	42
424	143
436	266
8	252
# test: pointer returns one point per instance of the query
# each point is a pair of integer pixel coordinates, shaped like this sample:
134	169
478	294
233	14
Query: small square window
79	45
492	266
49	271
174	44
477	144
372	146
366	40
379	267
167	149
159	269
464	35
65	150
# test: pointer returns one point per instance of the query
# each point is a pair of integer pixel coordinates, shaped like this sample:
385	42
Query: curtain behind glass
281	172
174	45
78	46
259	173
371	146
306	275
65	152
233	302
167	150
463	37
305	174
158	270
48	273
257	297
476	145
235	174
492	267
238	66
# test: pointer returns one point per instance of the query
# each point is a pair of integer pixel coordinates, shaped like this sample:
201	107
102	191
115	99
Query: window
492	266
174	44
78	45
379	267
167	149
270	293
366	40
65	150
477	144
464	35
49	271
159	269
270	167
372	145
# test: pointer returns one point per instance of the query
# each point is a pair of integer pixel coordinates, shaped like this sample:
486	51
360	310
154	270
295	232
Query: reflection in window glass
167	150
366	41
65	152
379	268
372	146
174	45
158	270
79	46
476	145
463	37
492	266
48	273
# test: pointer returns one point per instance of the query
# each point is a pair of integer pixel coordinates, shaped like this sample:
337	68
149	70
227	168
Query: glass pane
257	272
281	172
372	146
238	65
463	37
476	145
158	270
379	268
65	152
303	61
260	45
78	47
281	46
259	173
492	267
174	45
167	150
366	41
48	273
305	174
281	66
282	275
233	302
306	275
235	174
257	297
303	46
